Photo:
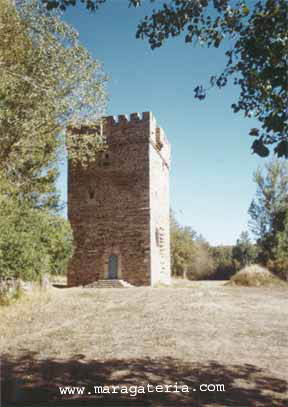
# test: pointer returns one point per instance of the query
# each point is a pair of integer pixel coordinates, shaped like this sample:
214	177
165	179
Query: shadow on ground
29	381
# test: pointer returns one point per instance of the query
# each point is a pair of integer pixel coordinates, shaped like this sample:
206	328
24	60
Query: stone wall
159	158
114	209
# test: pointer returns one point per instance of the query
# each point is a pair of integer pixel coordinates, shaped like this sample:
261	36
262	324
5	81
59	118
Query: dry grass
185	283
205	333
256	276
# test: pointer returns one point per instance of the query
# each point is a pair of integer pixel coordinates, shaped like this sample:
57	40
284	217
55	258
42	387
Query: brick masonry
119	206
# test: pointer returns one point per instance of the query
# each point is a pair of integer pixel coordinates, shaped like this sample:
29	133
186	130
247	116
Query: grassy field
192	334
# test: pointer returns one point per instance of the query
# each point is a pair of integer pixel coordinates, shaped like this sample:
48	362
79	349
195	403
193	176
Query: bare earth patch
206	333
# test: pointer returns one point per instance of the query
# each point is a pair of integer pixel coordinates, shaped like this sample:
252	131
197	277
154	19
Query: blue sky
212	165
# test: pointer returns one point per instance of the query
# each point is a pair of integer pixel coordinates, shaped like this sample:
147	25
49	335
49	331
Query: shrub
279	267
224	264
255	276
202	266
33	242
10	291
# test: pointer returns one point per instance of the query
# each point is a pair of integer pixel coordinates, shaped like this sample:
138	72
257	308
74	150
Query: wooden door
113	267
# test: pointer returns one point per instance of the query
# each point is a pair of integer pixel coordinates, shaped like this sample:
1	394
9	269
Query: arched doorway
113	267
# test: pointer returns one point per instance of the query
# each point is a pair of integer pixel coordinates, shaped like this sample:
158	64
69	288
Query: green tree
223	263
279	265
190	253
244	252
48	79
282	242
202	266
33	241
182	247
256	37
268	211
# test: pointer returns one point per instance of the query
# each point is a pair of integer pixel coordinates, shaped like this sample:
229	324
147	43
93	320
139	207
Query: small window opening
157	237
91	193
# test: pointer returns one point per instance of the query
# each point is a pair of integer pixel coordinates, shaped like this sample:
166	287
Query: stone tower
119	206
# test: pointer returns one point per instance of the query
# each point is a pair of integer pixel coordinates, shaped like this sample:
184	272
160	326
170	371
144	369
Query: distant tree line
193	258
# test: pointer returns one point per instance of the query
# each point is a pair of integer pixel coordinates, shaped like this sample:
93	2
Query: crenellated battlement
134	118
117	126
133	128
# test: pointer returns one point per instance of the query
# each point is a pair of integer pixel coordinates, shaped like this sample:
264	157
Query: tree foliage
256	36
269	210
33	241
182	247
47	80
244	252
224	264
280	262
190	255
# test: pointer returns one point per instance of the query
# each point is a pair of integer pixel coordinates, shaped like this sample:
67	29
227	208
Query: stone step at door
109	284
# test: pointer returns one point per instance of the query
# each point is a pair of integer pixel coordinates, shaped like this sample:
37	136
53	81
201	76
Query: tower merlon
145	117
139	126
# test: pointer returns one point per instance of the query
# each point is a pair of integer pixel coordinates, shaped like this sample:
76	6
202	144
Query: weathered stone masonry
119	206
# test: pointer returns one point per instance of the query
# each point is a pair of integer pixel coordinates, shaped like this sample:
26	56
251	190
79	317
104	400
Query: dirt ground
192	334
